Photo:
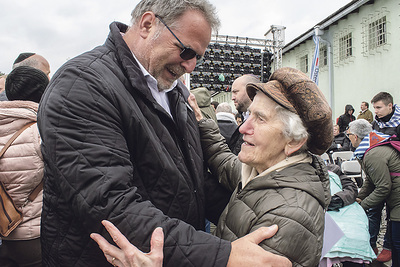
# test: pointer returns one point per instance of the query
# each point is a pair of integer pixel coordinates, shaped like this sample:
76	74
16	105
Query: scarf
250	173
394	120
371	139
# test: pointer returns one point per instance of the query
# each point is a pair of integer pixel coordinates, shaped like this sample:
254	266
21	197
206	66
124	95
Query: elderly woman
274	179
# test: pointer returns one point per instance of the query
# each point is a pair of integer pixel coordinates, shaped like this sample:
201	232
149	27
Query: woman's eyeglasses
187	52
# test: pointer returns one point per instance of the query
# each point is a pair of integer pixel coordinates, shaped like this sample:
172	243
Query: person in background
381	165
2	82
214	104
21	167
33	60
387	121
353	248
121	143
238	118
226	120
204	97
30	60
344	120
242	102
340	142
365	113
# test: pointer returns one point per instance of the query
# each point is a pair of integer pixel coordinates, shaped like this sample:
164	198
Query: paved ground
380	242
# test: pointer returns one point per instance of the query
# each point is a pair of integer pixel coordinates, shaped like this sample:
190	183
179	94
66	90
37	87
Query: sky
60	30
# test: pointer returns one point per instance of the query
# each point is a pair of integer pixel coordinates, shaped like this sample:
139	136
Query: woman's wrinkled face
264	142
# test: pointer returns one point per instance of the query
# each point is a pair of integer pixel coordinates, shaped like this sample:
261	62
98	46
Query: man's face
264	142
239	95
363	106
161	56
382	110
355	141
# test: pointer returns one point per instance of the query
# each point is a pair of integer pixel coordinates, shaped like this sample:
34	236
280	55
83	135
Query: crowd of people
132	166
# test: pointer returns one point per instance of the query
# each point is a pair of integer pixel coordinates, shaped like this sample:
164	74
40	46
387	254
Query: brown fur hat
293	90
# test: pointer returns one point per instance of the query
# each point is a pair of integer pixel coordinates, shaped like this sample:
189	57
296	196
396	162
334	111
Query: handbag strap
9	142
35	191
39	187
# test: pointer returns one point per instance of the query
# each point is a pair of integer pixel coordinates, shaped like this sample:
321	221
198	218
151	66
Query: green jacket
293	198
379	185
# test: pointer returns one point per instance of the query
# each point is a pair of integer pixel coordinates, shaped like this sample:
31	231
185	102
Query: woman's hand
193	103
127	254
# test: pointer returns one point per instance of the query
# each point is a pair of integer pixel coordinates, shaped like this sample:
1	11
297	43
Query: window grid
304	63
345	46
375	32
323	56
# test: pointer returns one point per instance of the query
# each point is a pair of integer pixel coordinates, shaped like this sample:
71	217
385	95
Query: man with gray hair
381	164
121	143
226	120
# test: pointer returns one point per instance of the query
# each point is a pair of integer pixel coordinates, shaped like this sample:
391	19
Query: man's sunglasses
187	52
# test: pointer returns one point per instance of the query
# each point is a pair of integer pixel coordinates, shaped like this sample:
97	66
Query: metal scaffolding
274	45
278	39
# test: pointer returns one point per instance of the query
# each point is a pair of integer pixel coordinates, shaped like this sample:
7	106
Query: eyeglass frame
185	49
348	134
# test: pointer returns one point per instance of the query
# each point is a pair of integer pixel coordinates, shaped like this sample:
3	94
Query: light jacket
294	198
21	167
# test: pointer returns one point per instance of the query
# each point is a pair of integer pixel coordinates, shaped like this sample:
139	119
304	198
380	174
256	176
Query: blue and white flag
315	62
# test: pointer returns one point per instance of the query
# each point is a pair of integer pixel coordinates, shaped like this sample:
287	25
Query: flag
315	62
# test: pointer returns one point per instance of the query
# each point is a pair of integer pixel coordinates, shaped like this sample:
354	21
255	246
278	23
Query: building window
375	32
323	56
345	46
377	35
304	63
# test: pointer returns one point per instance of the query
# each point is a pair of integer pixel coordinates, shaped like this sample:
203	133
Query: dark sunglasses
187	52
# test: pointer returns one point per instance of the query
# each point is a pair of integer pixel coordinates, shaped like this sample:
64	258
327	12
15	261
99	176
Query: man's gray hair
30	62
360	127
171	10
224	107
293	127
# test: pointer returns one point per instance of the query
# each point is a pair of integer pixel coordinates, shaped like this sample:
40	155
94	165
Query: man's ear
146	24
292	146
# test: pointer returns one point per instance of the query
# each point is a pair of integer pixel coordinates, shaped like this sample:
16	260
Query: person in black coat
226	120
121	143
344	120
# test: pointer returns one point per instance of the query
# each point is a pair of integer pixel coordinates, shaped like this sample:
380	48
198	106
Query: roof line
342	12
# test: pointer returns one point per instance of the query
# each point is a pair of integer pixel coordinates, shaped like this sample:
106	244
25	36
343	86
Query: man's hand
246	251
128	255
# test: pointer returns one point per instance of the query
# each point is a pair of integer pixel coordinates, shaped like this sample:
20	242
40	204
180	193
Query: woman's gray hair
171	10
360	127
293	127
